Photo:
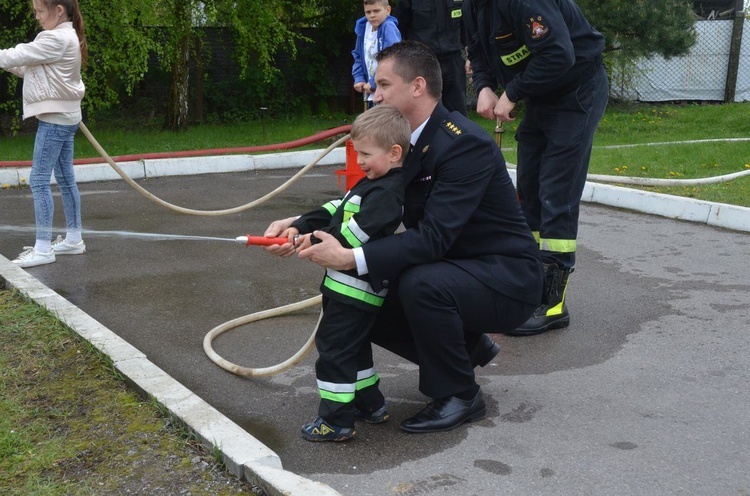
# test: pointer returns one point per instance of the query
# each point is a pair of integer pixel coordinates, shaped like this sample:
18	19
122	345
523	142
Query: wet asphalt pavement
645	393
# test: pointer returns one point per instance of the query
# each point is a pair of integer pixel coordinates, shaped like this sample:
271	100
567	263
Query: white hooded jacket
51	69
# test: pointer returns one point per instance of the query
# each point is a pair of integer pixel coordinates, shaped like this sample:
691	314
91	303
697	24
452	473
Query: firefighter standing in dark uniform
467	263
545	53
438	25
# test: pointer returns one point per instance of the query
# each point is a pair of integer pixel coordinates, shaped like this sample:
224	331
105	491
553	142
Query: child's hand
302	241
279	229
358	87
367	88
289	233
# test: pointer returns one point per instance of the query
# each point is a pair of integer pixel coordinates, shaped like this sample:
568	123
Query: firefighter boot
552	313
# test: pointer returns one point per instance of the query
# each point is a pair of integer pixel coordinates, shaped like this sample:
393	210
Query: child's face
47	18
376	14
374	160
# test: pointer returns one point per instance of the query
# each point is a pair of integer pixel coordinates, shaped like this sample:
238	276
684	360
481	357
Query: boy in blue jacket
375	31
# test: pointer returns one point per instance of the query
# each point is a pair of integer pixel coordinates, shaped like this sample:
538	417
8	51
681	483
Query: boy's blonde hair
385	125
384	3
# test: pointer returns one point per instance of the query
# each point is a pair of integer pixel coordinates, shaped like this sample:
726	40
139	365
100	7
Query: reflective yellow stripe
536	236
367	381
353	292
351	207
337	397
558	245
557	309
331	206
353	234
344	393
518	56
340	393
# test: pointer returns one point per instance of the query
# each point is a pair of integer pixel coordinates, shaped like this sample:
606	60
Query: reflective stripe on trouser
554	147
561	252
354	288
344	370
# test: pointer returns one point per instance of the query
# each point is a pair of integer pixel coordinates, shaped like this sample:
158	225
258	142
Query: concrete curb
244	456
142	169
674	207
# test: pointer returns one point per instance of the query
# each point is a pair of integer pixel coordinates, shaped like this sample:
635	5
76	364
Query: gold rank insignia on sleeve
453	128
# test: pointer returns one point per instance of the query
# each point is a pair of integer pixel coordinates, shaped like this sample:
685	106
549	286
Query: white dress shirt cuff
359	259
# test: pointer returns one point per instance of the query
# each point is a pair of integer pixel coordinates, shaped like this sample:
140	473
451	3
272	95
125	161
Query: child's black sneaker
320	430
377	417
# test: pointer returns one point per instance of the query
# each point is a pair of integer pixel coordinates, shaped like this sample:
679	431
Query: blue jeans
53	151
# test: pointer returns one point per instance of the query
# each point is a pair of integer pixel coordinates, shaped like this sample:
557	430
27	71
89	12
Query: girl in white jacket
52	92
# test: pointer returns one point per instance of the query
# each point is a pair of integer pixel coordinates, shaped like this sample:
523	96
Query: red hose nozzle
260	240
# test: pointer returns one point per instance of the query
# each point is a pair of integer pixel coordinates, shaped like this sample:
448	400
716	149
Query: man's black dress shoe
484	351
445	414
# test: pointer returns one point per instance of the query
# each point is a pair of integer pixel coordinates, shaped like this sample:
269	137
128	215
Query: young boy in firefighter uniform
545	53
372	209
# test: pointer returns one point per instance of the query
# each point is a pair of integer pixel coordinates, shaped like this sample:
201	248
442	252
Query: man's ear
420	86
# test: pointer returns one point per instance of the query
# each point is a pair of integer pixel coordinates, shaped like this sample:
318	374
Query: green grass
641	124
622	125
69	426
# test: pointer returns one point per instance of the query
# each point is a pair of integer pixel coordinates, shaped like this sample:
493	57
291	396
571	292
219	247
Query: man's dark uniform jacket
460	206
540	49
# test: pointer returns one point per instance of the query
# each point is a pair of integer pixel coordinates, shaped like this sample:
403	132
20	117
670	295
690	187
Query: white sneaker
32	258
62	247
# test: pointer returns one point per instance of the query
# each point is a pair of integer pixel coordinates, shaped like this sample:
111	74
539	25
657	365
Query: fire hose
248	240
190	211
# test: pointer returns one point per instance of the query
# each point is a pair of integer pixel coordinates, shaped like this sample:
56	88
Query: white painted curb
163	167
244	456
674	207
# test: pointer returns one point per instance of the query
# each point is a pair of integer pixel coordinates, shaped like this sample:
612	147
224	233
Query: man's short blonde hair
385	125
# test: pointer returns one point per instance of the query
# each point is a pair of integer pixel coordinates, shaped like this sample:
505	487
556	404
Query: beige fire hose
265	314
189	211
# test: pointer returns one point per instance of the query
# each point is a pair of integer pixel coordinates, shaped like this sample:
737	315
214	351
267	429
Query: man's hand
486	101
329	253
490	106
505	110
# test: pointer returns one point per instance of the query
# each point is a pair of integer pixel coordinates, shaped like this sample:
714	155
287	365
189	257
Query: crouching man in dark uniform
546	53
467	263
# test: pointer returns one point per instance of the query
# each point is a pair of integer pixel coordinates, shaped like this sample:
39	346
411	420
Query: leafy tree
643	28
640	28
260	30
17	25
119	47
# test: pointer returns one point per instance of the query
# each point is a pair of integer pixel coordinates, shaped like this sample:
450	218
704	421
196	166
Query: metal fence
717	68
